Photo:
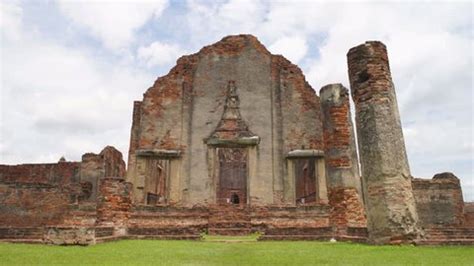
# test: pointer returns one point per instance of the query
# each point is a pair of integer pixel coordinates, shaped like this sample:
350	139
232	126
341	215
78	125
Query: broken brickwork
439	201
339	141
114	204
52	202
342	165
32	204
94	167
48	173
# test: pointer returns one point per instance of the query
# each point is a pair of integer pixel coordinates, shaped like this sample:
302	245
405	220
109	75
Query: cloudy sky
71	69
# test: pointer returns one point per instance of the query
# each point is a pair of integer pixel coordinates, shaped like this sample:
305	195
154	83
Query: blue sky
70	70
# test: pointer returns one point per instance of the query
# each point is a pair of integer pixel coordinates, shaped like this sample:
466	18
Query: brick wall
108	163
347	210
114	203
47	173
114	166
469	214
32	205
52	194
439	200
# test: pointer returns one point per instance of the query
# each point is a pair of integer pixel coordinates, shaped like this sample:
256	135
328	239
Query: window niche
157	176
156	181
306	182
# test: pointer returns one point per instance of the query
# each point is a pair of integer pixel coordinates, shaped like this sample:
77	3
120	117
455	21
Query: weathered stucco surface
184	107
389	200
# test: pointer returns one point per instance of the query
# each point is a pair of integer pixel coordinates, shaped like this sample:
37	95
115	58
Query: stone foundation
69	236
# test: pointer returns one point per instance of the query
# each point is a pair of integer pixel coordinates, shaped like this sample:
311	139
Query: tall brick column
390	205
342	166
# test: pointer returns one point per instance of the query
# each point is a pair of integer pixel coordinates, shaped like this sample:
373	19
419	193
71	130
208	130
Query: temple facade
233	140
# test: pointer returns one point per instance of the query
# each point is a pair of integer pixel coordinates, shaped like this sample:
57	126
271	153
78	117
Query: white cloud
293	48
208	21
59	100
10	21
112	22
159	53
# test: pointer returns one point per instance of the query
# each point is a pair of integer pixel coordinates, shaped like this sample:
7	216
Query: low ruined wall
57	203
439	200
47	173
32	205
44	213
469	214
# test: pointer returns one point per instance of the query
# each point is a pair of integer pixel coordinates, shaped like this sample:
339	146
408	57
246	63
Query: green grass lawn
213	252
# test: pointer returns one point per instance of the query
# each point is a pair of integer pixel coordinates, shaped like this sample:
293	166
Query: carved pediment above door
232	130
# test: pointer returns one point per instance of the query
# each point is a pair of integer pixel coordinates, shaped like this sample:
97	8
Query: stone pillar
341	159
390	205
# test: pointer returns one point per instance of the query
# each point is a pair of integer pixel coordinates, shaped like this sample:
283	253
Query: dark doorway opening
234	199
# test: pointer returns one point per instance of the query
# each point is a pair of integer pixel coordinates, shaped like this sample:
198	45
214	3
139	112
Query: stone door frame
213	164
320	170
172	176
221	190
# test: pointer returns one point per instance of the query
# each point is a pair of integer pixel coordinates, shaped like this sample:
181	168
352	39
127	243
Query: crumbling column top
333	92
365	45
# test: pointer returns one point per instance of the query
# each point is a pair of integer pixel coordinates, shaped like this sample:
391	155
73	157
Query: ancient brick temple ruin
233	140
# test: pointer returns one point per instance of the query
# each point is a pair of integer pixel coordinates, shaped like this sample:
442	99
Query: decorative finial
232	89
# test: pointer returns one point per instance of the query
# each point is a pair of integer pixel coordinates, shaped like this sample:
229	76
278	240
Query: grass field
220	251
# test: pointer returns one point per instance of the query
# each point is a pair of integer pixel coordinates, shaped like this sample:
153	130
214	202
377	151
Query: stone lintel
159	153
244	141
304	153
